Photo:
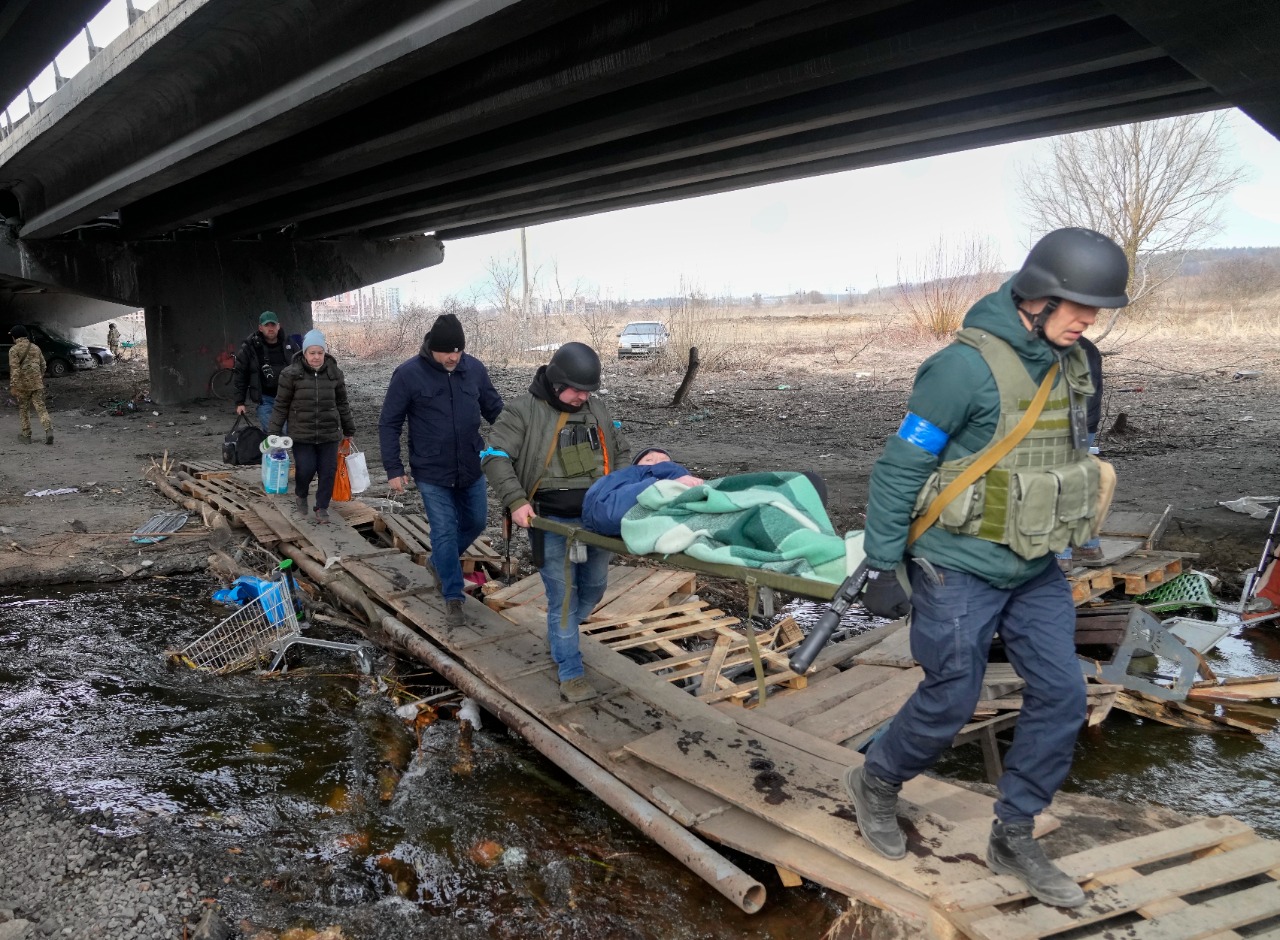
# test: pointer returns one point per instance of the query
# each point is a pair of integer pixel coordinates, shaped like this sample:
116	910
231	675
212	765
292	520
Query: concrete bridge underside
296	123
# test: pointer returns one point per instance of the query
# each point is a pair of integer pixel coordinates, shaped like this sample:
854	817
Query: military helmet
1075	264
575	365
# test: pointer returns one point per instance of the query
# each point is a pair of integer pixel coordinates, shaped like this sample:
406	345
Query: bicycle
222	384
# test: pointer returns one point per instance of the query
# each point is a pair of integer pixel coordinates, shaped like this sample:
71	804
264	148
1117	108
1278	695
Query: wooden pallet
1143	571
1090	583
1137	889
354	512
229	496
645	589
207	469
1147	527
411	533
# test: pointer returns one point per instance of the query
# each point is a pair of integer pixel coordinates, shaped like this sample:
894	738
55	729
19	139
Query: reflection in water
309	802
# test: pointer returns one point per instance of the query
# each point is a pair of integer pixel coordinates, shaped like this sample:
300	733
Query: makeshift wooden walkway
766	779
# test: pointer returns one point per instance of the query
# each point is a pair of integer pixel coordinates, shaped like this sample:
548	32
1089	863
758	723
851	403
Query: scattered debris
62	491
1250	505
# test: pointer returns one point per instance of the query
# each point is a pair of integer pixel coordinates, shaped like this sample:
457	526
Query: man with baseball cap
261	358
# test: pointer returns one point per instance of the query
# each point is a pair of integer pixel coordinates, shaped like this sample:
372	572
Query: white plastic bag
357	469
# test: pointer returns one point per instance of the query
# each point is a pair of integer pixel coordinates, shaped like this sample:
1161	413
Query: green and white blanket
773	521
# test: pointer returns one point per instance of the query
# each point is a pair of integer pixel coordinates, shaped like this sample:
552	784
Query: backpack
241	445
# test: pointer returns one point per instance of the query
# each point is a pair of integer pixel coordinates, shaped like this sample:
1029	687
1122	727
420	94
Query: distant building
358	306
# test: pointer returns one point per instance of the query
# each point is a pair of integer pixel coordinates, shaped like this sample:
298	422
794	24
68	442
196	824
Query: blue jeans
457	516
589	581
310	460
265	407
952	625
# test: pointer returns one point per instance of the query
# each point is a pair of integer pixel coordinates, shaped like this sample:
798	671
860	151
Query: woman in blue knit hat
312	398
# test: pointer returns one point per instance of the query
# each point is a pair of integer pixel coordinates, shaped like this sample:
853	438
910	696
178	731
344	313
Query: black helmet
1075	264
575	365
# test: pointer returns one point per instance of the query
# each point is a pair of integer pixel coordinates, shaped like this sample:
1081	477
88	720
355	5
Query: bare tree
1155	187
948	278
502	287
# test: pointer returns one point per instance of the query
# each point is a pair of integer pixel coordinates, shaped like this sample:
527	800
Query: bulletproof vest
1041	496
579	457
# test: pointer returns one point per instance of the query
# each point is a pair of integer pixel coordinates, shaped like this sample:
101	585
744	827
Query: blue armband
916	430
493	452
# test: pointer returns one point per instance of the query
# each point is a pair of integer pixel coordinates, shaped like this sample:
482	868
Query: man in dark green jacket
987	564
545	451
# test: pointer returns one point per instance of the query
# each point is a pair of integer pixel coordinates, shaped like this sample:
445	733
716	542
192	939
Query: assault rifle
827	624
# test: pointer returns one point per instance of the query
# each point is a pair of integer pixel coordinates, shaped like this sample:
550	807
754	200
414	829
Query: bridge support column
203	297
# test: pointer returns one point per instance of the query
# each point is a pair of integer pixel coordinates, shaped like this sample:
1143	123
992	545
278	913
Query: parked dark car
102	354
61	356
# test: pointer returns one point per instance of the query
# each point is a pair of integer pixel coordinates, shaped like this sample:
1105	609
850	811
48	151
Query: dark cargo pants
952	626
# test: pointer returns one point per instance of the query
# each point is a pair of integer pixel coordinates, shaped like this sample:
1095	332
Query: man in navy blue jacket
444	393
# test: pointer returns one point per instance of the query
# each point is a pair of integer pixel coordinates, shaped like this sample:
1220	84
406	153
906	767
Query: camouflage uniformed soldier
113	339
26	382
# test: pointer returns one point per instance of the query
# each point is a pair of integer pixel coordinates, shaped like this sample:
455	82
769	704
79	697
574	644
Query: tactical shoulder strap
561	421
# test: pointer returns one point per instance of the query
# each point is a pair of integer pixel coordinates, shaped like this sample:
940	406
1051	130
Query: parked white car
642	338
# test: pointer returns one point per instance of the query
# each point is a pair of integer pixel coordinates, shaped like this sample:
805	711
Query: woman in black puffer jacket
312	398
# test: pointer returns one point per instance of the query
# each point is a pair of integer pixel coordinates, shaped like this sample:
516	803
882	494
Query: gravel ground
69	874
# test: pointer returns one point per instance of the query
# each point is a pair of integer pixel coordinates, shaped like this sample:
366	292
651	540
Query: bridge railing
132	10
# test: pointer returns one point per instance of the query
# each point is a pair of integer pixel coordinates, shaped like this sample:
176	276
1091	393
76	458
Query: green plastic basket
1186	590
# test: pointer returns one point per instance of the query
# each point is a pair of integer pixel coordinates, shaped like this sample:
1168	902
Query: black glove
884	596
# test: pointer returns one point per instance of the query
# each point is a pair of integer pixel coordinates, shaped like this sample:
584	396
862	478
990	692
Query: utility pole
524	273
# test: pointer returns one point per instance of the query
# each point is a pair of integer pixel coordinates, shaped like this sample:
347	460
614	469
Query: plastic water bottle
275	464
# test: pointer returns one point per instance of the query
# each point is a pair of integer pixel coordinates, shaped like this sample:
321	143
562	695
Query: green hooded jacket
955	391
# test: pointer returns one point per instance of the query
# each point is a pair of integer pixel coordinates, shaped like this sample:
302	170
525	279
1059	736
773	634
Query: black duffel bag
242	445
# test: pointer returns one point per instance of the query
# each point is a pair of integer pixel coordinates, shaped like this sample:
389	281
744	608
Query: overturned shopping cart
264	628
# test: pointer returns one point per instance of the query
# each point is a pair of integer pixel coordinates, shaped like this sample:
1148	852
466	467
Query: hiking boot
577	690
453	614
303	508
48	437
322	515
1012	851
1066	564
1088	554
26	437
875	802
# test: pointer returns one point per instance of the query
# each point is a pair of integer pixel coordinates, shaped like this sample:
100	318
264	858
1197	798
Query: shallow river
310	803
307	799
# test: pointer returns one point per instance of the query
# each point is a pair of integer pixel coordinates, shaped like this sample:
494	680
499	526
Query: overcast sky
826	233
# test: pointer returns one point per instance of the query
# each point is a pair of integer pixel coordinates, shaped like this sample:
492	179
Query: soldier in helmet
544	452
987	564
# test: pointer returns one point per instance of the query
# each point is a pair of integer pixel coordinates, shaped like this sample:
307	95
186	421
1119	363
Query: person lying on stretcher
609	498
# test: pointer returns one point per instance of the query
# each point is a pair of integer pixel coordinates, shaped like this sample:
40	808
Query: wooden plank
1105	902
893	650
622	671
592	626
920	797
864	712
749	684
1209	917
646	593
1131	853
276	521
821	696
804	796
700	618
737	829
715	662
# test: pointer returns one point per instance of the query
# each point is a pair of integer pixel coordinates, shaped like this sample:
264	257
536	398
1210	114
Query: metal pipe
708	864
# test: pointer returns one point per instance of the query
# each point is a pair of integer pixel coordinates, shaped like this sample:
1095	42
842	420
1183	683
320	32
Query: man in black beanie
443	392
